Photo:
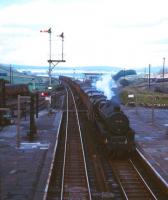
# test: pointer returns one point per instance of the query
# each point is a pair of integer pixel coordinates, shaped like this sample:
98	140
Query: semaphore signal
46	31
62	36
51	61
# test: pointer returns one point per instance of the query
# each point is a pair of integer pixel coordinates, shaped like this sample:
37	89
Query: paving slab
151	136
24	170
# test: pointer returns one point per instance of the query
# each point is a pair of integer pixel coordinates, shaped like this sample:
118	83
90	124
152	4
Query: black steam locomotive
116	135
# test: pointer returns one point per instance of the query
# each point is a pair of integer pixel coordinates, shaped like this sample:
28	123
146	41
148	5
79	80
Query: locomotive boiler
116	135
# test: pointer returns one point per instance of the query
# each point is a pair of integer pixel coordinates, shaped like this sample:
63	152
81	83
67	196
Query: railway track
130	180
119	179
102	181
90	175
70	162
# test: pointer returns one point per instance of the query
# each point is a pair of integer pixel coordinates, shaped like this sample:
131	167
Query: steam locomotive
116	136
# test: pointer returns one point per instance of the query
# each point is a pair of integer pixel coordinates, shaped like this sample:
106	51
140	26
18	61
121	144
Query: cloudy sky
123	33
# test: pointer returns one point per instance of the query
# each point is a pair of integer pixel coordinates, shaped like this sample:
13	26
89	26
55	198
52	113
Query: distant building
13	76
92	76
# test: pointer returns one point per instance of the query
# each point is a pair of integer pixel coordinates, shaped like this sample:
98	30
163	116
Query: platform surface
151	136
24	170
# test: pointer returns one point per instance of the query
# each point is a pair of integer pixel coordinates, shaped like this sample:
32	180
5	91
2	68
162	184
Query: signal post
53	62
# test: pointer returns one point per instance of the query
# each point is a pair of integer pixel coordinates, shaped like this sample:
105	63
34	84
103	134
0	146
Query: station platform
151	135
24	170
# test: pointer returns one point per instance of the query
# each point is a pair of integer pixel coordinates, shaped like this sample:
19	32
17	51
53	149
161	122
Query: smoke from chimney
105	84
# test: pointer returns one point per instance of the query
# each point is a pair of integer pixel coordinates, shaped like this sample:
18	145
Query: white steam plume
105	84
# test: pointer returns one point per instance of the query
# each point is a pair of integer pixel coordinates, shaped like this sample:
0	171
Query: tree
123	73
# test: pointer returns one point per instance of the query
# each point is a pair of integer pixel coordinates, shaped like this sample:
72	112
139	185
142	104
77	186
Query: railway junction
56	165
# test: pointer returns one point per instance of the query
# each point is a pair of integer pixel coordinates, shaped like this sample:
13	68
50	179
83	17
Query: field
143	95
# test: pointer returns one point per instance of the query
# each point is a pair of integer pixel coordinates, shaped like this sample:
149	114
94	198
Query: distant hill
44	69
80	69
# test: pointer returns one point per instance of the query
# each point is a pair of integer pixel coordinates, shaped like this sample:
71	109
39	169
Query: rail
143	180
131	182
153	169
79	186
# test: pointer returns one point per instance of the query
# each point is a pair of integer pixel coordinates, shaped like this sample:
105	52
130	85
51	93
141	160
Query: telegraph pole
163	68
149	74
10	74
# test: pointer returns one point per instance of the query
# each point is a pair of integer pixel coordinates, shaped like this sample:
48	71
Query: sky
123	33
